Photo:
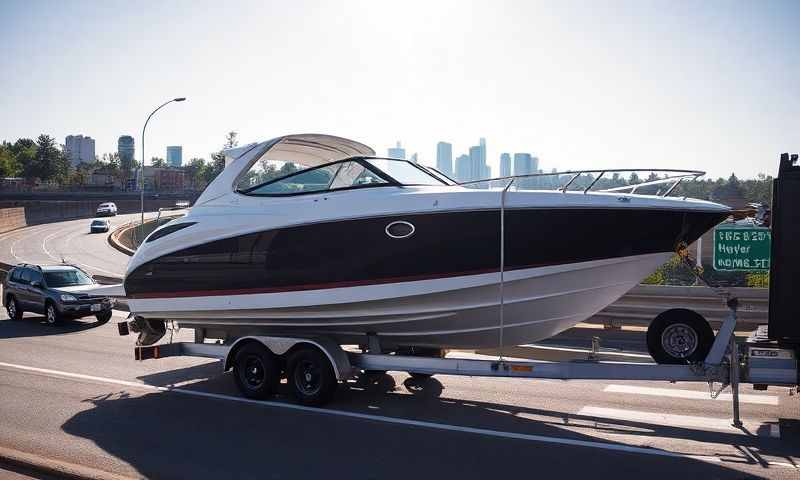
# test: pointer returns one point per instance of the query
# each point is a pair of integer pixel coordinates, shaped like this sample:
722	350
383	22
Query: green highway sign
742	248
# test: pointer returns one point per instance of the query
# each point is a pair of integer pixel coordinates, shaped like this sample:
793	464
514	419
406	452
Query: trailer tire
256	371
310	376
679	337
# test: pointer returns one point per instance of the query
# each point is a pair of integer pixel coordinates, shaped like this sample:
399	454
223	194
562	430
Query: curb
114	242
56	468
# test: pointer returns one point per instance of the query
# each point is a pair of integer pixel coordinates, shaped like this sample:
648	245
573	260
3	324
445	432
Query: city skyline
671	85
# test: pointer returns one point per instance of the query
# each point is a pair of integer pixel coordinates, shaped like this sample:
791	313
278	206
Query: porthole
400	229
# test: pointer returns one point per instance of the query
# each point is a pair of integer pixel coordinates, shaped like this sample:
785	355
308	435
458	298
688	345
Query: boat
315	235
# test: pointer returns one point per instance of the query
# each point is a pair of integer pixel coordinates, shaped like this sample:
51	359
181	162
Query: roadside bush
758	279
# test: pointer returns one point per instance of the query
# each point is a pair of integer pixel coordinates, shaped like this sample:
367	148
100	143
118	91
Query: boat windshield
340	175
66	278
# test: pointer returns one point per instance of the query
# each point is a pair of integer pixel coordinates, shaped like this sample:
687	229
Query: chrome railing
672	177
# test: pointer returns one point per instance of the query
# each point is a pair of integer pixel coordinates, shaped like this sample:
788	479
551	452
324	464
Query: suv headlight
65	297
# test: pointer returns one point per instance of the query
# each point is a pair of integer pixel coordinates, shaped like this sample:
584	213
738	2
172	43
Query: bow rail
676	177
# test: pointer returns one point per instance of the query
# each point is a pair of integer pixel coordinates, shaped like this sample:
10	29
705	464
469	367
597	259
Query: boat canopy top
308	149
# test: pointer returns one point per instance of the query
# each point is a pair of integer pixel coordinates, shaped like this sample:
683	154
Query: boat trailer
314	365
727	363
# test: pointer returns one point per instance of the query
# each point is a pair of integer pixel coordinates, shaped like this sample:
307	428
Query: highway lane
69	241
73	393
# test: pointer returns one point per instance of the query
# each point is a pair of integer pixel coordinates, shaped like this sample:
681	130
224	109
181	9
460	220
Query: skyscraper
79	149
396	152
414	158
523	164
175	156
444	158
463	173
475	164
534	164
126	152
505	165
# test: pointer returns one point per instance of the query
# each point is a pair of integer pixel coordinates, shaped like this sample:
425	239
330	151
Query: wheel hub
309	378
679	340
254	372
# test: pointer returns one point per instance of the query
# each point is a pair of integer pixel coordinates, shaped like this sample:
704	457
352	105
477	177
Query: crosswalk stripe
691	394
679	421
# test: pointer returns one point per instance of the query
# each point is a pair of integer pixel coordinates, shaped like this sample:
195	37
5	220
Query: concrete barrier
12	219
49	211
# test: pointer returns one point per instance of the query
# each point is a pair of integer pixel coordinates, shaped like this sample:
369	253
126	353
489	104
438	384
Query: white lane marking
691	394
670	420
24	232
68	240
44	245
376	418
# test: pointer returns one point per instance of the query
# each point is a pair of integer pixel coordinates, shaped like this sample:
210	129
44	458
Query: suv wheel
104	317
51	313
12	307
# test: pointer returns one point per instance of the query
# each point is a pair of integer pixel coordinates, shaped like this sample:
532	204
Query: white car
99	225
104	209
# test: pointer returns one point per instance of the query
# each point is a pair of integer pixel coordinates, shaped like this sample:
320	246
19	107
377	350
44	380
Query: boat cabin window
267	178
333	176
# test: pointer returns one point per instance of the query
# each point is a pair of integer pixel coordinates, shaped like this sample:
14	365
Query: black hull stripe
358	252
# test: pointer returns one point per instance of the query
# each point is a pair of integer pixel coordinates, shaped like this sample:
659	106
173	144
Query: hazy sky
670	84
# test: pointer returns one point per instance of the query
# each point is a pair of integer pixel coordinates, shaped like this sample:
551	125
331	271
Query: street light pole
141	182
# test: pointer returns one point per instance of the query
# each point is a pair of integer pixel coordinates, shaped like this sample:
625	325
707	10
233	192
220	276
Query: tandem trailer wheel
679	337
256	370
311	376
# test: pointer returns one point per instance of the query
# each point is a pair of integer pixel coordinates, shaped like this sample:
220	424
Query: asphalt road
73	395
70	241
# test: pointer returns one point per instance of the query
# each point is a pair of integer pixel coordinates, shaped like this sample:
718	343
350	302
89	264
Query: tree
218	158
9	167
49	162
24	151
158	162
195	172
230	140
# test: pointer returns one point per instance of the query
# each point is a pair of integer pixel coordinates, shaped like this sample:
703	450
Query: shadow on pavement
174	435
37	326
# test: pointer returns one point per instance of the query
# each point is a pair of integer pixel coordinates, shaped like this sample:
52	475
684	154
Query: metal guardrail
641	304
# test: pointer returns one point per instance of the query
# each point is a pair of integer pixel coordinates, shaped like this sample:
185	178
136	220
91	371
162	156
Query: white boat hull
455	312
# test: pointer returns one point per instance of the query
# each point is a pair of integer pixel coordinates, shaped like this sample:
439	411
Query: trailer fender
280	345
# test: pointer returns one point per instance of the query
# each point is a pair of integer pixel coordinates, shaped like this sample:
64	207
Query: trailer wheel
679	337
311	376
421	352
256	371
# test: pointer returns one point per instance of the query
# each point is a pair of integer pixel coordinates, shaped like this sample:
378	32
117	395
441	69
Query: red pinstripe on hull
300	288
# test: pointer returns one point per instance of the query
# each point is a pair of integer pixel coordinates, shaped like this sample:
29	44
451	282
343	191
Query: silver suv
58	292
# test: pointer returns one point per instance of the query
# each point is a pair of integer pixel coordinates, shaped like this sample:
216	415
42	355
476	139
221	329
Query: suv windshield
66	278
